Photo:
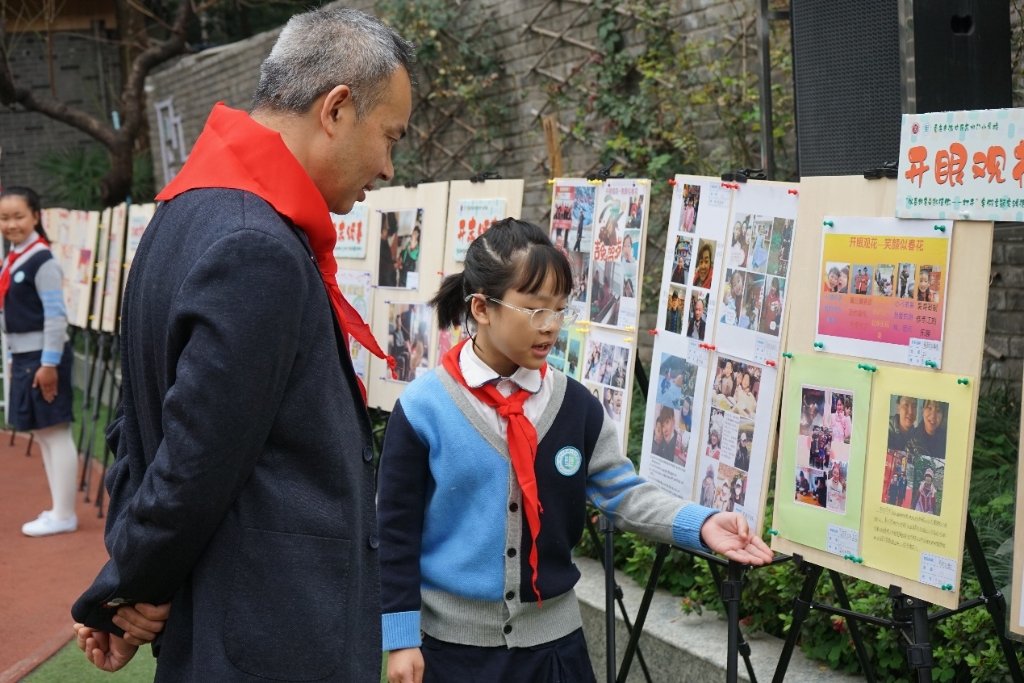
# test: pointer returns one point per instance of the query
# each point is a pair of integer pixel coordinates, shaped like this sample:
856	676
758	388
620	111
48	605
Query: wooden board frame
100	270
509	190
969	267
433	199
111	311
1017	580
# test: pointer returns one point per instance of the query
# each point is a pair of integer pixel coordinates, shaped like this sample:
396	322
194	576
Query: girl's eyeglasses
540	318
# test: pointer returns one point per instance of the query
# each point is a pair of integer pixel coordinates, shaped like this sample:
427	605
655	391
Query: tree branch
11	93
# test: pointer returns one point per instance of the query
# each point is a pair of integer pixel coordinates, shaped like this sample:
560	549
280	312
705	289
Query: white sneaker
46	525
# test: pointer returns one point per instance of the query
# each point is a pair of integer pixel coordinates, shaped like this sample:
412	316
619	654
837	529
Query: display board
916	541
81	261
356	254
472	208
713	404
100	274
111	312
407	273
601	227
139	216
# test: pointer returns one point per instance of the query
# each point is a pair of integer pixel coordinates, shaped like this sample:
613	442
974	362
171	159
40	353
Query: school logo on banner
568	461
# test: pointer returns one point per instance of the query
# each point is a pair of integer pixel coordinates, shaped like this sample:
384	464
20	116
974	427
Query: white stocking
60	458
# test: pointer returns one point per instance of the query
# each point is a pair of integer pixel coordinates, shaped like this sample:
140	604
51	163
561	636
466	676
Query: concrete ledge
678	647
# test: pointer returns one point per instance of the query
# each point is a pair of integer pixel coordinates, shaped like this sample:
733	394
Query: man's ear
336	108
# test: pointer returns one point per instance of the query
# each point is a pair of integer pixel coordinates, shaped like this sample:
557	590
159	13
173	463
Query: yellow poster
917	475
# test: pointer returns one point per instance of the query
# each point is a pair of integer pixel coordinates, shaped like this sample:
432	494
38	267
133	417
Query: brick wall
1004	334
26	136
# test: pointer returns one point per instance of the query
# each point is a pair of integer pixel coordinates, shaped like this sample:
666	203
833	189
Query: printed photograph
772	306
863	277
716	421
559	351
812	410
611	400
840	419
708	488
691	202
781	245
606	292
917	426
400	249
735	386
732	488
630	247
606	364
739	250
696	327
670	440
675	384
884	274
929	284
681	260
837	487
753	298
572	218
580	263
448	338
926	494
897	487
759	242
744	441
704	265
409	339
573	357
674	309
732	296
810	487
906	280
837	278
621	209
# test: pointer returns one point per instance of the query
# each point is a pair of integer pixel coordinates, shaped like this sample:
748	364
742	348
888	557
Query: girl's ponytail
450	301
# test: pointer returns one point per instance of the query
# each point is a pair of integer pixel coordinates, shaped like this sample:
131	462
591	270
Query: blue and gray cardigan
453	539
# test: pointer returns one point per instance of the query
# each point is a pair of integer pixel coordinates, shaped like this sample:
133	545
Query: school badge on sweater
568	461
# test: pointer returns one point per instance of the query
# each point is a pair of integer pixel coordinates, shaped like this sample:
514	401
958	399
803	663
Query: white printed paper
937	570
842	541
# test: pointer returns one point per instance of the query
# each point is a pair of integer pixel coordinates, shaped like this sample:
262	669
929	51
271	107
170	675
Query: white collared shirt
477	373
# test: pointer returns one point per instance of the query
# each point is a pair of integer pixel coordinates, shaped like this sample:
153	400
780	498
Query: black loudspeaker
858	65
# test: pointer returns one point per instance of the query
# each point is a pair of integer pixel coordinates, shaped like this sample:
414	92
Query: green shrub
74	177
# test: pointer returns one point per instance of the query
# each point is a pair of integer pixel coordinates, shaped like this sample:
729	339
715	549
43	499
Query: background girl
35	322
487	465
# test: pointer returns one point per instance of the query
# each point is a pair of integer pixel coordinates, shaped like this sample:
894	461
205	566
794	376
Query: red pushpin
731	186
671	181
652	332
441	273
709	347
793	191
770	362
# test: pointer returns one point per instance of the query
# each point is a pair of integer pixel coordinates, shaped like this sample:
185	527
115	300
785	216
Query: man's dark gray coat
243	490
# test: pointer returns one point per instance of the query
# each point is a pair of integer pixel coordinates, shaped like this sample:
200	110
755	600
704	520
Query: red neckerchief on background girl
522	443
5	275
236	153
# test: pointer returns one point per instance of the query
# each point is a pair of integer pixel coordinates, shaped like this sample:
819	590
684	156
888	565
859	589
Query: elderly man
243	491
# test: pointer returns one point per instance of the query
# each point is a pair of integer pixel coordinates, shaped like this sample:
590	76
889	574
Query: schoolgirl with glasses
488	463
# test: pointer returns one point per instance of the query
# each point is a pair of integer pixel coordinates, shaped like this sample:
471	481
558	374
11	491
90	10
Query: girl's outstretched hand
727	533
405	666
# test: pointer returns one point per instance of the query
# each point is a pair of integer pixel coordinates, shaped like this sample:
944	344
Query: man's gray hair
322	49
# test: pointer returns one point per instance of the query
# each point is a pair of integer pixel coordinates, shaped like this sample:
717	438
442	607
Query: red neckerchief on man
522	444
236	153
8	266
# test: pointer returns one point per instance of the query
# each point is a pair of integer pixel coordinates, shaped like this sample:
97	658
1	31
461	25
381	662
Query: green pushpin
859	560
963	380
829	224
940	228
865	366
786	354
931	364
819	345
773	532
847	557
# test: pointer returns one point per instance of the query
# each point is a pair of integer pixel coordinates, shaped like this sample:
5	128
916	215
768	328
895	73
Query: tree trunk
116	185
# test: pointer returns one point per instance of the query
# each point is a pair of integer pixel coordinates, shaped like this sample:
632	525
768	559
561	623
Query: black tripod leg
31	440
858	641
995	601
608	529
660	554
742	645
801	608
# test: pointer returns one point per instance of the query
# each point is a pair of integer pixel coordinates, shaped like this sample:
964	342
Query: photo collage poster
690	281
882	292
607	371
356	286
572	232
820	488
739	414
353	230
620	217
757	267
919	441
473	217
400	233
409	339
139	216
99	279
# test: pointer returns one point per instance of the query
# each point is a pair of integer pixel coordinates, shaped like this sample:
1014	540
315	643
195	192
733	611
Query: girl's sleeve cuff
400	630
50	358
687	524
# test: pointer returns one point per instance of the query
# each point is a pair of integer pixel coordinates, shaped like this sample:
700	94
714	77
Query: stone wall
1004	334
25	137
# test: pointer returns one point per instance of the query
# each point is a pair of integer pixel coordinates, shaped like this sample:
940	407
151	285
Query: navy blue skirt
561	661
28	409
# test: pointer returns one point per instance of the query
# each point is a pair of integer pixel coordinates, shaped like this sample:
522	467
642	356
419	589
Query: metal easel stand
115	388
613	595
91	361
909	616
